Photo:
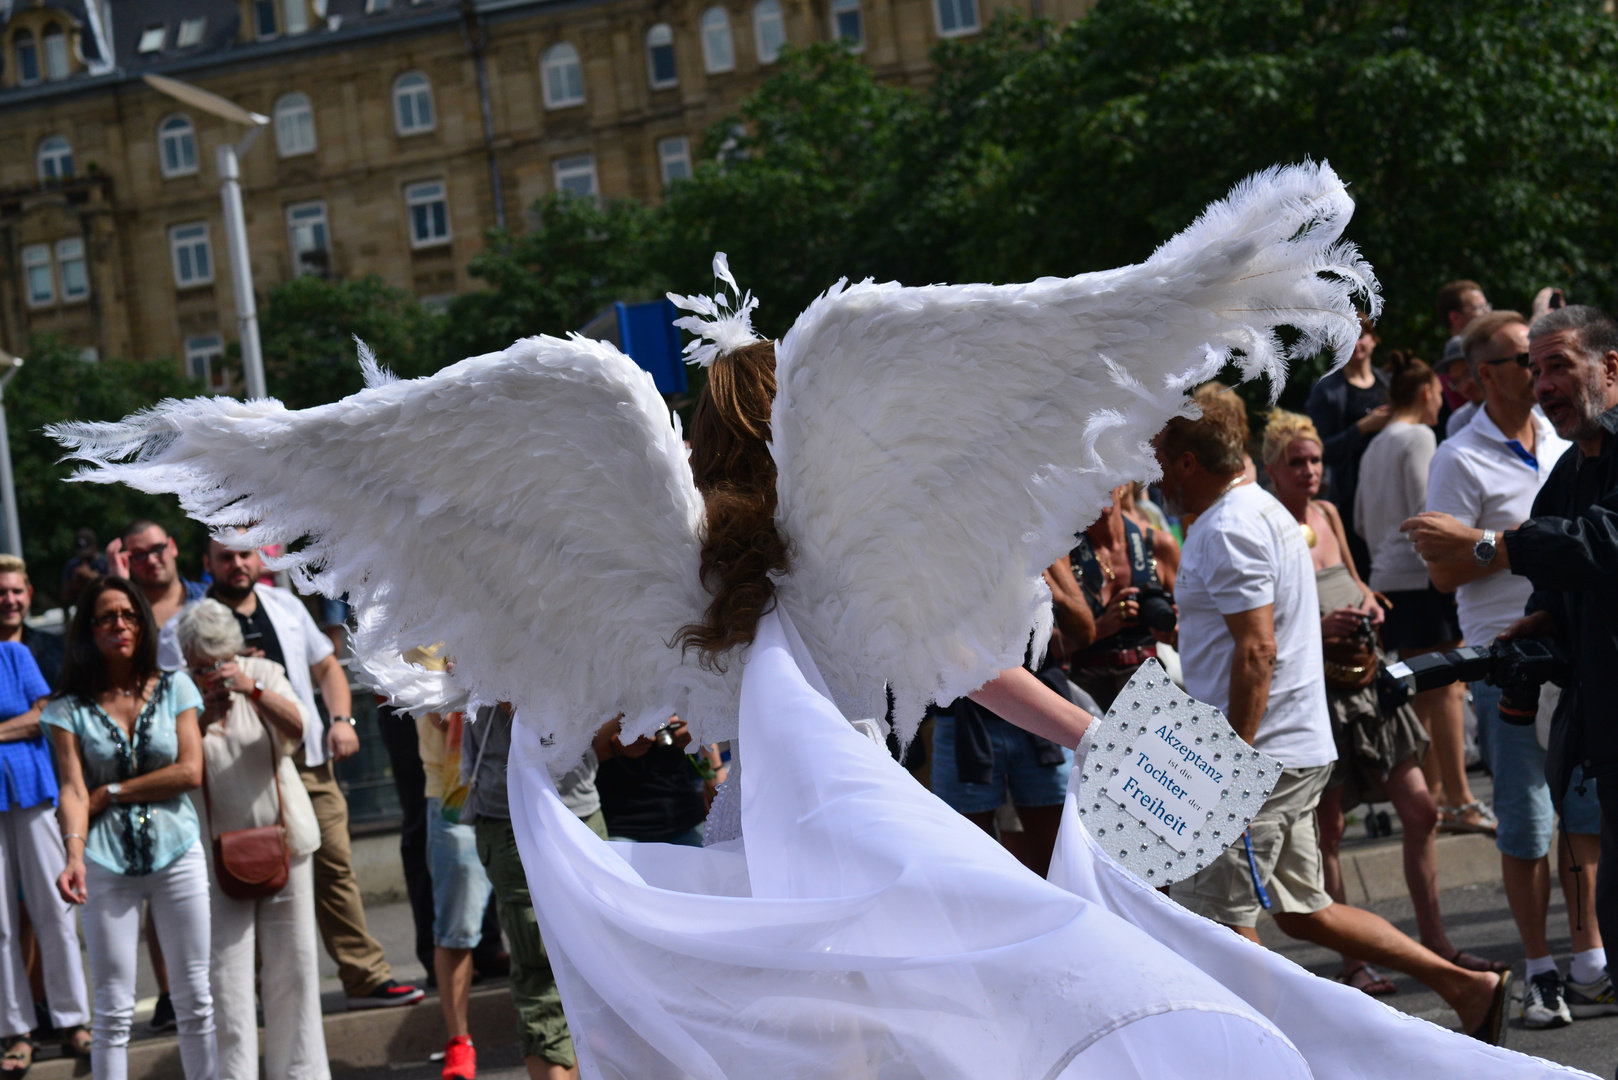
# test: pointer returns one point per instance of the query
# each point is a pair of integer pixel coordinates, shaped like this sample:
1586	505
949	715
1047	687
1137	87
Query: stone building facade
400	130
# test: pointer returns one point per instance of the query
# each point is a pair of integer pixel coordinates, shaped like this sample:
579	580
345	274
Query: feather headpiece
728	325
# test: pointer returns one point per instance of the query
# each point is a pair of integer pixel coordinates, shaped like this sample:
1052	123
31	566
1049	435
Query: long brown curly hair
730	459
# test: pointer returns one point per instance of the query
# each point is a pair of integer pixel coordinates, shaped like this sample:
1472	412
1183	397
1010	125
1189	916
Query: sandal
1453	819
1367	980
1494	1021
76	1043
1471	962
19	1049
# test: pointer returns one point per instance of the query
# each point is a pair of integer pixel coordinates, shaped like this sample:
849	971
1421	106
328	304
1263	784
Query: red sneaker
460	1059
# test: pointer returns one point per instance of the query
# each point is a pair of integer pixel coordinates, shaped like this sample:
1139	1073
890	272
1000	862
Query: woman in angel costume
878	528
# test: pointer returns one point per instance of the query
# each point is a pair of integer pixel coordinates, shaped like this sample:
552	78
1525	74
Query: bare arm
1073	616
163	784
1251	667
1021	699
22	727
1166	550
341	741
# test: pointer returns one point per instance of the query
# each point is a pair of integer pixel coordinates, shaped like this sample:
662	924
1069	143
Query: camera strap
1252	868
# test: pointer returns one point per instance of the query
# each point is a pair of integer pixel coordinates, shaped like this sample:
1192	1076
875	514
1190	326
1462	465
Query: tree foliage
56	384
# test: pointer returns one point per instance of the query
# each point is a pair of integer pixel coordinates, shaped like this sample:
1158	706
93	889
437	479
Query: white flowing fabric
867	930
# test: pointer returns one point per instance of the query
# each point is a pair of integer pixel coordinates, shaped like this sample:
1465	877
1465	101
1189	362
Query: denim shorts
1522	798
1016	772
460	886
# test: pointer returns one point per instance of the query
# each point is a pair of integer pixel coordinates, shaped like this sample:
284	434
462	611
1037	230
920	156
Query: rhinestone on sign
1199	741
1143	847
1135	705
1149	873
1098	806
1232	817
1179	724
1199	853
1123	854
1156	709
1247	794
1213	735
1120	826
1237	755
1218	756
1168	865
1225	794
1111	746
1173	704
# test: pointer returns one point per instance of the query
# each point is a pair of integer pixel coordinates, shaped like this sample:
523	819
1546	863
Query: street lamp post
8	488
230	195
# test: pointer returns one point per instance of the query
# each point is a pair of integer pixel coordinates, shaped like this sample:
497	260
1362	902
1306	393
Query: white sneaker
1543	1003
1585	1000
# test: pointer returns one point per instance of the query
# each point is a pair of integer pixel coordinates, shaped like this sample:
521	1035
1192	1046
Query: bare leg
1039	828
1579	890
1362	933
1440	712
454	970
1406	788
1329	819
1528	892
540	1069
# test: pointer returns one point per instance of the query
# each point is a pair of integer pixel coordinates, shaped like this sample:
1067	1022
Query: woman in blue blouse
127	750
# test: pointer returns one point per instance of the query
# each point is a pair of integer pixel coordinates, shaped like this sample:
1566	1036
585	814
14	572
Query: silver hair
1594	331
209	629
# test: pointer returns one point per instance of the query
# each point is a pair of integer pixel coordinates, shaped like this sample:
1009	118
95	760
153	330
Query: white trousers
31	858
283	926
178	895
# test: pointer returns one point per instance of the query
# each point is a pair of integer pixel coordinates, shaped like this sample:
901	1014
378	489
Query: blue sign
647	335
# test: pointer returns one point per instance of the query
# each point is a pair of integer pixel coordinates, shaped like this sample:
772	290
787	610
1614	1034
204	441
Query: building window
575	175
193	259
563	77
201	356
956	17
674	159
846	24
413	104
306	232
71	267
660	57
769	32
36	272
264	19
55	47
151	40
294	16
718	53
55	159
177	146
294	125
429	214
190	33
372	7
22	46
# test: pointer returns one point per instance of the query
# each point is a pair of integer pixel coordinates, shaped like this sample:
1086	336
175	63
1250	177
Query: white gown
862	928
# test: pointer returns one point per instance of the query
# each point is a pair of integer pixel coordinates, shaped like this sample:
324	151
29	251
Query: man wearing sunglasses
146	554
1486	475
1568	550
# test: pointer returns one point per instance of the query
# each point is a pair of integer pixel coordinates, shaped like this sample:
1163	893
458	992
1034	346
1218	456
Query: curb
368	1039
1375	872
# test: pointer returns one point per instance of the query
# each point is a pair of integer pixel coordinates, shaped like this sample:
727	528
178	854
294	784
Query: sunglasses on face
114	618
1521	360
142	554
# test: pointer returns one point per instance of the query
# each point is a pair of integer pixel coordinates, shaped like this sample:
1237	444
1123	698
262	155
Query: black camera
1519	668
1156	606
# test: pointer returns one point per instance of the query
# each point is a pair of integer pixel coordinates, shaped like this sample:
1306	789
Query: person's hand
1542	302
117	560
342	741
1439	538
215	702
1123	610
98	801
229	677
681	733
1342	623
1375	420
70	882
1373	608
254	652
1539	624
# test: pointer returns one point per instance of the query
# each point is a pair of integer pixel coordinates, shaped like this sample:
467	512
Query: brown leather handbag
251	863
1350	663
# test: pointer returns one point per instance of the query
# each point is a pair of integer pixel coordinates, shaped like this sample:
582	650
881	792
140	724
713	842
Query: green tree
55	384
580	256
308	331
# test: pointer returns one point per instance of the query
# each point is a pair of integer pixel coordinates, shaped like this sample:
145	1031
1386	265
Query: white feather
938	447
532	509
375	374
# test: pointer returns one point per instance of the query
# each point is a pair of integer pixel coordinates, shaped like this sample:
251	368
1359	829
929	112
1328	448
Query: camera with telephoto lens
1519	668
1156	606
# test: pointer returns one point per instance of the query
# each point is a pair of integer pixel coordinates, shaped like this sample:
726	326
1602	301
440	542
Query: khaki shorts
1286	847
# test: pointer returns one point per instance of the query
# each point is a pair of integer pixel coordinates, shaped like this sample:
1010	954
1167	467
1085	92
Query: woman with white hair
252	724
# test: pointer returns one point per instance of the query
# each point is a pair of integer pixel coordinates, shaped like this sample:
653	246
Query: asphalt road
1478	921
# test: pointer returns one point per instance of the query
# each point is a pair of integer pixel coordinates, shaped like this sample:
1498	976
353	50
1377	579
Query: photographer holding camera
1568	550
1127	576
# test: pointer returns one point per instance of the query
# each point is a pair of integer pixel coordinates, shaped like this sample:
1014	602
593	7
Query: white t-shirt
1393	487
1245	552
1477	477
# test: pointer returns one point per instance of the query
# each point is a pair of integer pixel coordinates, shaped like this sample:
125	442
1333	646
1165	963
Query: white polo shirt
302	644
1483	481
1244	552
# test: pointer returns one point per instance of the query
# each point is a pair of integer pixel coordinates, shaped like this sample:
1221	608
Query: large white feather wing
532	509
938	447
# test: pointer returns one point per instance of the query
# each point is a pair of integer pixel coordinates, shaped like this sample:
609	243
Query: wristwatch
112	792
349	720
1484	550
257	691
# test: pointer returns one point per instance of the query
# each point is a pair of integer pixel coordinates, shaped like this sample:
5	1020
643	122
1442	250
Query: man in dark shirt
1568	549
